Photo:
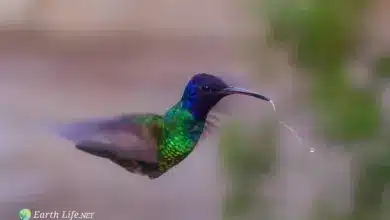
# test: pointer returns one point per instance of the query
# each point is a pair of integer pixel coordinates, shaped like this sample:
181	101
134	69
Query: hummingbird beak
235	90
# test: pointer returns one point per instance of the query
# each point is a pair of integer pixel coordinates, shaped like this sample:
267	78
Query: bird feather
128	140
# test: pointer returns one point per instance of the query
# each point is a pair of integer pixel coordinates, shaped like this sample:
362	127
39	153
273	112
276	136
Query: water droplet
287	126
312	150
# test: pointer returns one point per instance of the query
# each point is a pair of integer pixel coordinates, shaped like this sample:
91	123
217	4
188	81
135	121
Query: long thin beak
235	90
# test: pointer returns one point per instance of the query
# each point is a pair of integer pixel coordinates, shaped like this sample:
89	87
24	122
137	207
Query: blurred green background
335	46
325	63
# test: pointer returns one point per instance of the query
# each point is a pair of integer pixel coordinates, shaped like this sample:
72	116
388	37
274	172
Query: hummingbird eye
206	88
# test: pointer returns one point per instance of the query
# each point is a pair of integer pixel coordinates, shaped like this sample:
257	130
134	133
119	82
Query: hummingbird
150	144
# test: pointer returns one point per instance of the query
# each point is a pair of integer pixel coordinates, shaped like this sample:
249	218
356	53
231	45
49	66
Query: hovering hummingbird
150	144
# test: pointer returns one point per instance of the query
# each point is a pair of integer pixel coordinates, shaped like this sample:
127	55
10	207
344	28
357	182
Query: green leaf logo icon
25	214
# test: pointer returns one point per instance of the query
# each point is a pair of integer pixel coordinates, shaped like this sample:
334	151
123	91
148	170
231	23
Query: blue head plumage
204	91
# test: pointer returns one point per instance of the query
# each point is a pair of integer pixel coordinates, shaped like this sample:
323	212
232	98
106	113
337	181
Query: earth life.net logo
25	214
28	214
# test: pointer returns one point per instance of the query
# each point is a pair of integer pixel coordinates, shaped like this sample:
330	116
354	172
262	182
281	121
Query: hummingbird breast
178	142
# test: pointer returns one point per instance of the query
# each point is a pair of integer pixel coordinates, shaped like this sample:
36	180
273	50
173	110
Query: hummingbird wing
212	122
122	139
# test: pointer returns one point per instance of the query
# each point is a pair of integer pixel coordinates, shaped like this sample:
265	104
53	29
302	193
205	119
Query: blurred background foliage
322	38
248	165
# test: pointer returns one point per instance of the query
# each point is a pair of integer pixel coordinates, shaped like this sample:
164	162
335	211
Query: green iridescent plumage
181	132
150	144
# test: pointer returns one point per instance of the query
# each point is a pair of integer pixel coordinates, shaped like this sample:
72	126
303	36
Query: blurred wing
127	137
212	123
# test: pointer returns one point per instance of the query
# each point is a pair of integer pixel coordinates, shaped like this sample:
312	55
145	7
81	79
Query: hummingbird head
204	91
